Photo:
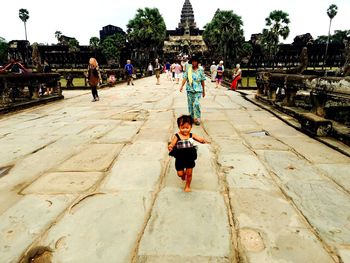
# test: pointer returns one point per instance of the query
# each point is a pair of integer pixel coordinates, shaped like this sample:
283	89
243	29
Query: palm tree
224	35
24	16
331	12
147	31
58	35
277	23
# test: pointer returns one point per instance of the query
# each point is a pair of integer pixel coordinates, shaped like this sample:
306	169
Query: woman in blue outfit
194	79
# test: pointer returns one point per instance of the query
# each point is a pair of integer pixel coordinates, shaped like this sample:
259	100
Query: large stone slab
246	172
26	221
340	173
126	176
95	157
188	226
270	230
63	183
32	166
220	129
315	151
122	133
145	150
325	205
99	228
258	140
14	147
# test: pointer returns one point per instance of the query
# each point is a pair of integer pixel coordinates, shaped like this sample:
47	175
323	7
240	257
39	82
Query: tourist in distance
178	70
194	79
183	149
94	78
213	69
150	69
167	70
158	69
129	69
219	73
236	76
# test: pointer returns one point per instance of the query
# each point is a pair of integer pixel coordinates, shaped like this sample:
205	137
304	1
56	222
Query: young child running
182	148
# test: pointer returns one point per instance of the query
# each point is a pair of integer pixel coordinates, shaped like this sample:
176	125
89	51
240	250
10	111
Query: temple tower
186	39
187	19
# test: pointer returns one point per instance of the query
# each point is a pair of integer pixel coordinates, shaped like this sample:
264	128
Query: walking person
167	70
150	69
178	70
129	69
158	69
219	73
194	79
183	149
94	78
237	76
213	70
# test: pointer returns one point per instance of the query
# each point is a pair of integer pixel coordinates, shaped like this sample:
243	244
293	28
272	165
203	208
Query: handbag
173	152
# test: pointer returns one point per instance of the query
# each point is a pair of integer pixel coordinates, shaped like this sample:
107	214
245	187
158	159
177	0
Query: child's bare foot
187	189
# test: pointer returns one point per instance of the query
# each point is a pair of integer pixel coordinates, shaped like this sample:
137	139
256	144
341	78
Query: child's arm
172	144
199	139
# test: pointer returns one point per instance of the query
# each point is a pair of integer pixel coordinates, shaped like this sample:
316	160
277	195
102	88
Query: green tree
94	44
112	47
58	35
224	35
331	12
73	47
147	32
337	38
277	23
3	50
24	16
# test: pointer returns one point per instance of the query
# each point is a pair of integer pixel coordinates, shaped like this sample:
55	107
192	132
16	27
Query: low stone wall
22	89
318	103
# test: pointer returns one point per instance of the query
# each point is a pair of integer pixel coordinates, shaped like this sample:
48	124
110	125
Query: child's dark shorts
181	164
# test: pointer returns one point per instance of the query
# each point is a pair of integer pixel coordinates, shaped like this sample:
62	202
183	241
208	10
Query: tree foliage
73	45
337	38
112	47
224	36
24	16
94	42
3	50
277	26
58	35
147	31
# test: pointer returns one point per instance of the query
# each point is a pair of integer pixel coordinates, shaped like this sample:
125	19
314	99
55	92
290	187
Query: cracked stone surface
86	181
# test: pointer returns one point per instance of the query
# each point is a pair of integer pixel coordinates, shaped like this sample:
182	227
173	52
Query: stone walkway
93	182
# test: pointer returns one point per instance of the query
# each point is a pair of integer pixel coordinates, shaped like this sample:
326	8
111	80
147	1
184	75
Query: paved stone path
93	182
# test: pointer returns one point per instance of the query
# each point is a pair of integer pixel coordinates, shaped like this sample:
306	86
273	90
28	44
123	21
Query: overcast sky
84	19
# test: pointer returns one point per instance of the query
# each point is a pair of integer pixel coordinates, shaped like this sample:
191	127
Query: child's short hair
184	119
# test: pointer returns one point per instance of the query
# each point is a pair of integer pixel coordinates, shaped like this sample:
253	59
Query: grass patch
78	82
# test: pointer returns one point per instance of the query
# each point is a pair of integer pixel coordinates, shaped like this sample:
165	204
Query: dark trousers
94	92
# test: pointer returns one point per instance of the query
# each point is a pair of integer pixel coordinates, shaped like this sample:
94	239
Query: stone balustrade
316	100
25	87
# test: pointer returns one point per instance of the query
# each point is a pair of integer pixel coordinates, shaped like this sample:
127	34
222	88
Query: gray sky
84	19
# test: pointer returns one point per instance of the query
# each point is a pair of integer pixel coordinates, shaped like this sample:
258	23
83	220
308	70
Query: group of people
182	144
217	74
